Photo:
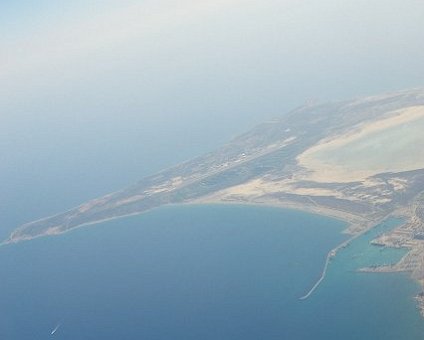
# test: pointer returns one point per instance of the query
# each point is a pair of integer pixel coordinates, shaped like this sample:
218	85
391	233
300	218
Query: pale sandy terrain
322	165
260	186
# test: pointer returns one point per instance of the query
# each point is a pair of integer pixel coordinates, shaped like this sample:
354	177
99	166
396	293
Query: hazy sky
179	57
150	83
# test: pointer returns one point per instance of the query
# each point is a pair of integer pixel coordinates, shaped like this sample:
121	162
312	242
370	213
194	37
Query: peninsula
359	160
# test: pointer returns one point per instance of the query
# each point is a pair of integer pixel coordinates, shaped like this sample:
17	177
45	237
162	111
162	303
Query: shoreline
352	222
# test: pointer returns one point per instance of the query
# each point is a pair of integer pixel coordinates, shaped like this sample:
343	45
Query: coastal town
335	159
410	236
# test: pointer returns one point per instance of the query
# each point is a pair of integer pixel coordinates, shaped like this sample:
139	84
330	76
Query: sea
205	272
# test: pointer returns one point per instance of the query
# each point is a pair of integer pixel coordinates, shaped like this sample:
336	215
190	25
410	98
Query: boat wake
56	328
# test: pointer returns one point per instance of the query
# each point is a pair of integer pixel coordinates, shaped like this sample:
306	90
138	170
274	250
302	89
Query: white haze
119	89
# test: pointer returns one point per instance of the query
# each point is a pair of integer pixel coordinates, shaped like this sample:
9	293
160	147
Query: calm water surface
204	272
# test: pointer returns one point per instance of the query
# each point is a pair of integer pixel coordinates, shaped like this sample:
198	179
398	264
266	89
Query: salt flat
393	144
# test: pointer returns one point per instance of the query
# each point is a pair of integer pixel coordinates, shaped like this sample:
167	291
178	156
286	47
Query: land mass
360	160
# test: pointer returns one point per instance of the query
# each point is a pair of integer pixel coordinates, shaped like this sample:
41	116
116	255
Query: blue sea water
204	272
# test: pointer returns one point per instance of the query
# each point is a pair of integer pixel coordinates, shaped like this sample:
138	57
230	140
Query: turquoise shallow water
204	272
357	305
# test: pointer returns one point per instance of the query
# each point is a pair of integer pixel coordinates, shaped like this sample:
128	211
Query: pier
331	254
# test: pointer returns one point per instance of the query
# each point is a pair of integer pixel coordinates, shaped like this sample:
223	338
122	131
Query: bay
204	272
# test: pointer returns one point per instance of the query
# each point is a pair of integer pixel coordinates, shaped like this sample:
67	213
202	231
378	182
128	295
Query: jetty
331	254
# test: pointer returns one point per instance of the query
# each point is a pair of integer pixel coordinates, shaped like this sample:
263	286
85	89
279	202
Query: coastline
356	227
354	222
